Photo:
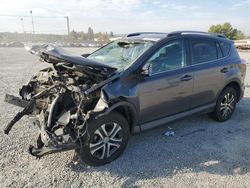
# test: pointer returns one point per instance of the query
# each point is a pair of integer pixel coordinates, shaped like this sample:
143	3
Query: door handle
224	70
186	77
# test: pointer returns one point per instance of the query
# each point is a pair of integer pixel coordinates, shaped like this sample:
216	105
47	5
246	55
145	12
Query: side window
219	52
203	51
169	57
225	48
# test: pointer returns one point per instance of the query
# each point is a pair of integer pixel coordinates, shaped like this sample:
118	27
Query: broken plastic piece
170	132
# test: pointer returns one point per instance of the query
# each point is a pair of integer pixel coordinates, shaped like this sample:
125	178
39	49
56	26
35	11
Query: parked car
92	103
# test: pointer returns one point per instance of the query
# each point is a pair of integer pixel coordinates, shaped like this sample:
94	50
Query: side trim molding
200	110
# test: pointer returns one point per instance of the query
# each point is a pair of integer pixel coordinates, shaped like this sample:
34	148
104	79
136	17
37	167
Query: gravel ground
202	153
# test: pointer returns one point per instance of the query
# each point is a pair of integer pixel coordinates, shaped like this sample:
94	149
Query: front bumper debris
60	100
15	101
27	105
39	152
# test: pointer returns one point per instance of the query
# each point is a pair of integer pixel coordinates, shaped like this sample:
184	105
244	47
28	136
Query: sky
122	16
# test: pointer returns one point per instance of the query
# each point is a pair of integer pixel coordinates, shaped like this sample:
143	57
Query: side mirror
146	70
85	55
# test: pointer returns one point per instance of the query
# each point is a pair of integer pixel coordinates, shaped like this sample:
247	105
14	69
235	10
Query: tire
225	105
110	134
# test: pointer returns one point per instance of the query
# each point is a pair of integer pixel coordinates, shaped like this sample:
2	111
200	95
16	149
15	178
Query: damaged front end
61	99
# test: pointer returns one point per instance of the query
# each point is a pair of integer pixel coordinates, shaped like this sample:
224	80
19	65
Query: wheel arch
234	84
128	111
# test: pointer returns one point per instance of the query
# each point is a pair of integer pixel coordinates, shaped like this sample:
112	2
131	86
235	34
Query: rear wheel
108	137
226	105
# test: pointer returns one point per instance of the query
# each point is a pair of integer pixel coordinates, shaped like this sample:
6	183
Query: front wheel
108	137
225	105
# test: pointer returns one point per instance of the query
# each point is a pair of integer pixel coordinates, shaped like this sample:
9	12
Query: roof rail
177	33
144	33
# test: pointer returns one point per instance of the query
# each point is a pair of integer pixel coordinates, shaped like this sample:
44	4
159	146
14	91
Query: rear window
225	47
203	51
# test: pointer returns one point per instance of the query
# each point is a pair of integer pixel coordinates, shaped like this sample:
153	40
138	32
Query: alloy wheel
106	140
227	105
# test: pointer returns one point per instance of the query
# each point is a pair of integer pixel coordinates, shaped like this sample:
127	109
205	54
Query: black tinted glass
219	52
225	48
203	51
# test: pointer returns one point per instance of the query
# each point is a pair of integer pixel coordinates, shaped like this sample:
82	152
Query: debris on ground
169	132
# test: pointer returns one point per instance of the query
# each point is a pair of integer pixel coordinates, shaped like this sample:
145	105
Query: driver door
168	89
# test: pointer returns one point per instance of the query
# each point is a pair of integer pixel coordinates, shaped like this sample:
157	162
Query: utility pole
22	25
33	28
67	18
23	29
32	21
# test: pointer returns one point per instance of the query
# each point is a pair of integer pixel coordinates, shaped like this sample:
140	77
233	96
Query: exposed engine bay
61	98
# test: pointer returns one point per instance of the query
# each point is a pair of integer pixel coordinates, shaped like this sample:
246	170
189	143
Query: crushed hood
52	54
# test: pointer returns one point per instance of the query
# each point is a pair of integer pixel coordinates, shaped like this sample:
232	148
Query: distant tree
111	34
73	35
90	34
102	37
240	35
106	37
98	36
227	30
82	36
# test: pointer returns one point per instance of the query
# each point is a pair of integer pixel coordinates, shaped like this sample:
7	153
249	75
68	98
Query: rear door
209	69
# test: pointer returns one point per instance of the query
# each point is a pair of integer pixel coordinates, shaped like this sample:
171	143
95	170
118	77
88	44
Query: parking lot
202	153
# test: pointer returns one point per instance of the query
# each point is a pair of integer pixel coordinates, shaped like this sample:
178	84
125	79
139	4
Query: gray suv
92	103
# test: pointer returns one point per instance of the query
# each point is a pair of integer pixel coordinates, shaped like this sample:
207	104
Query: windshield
120	54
